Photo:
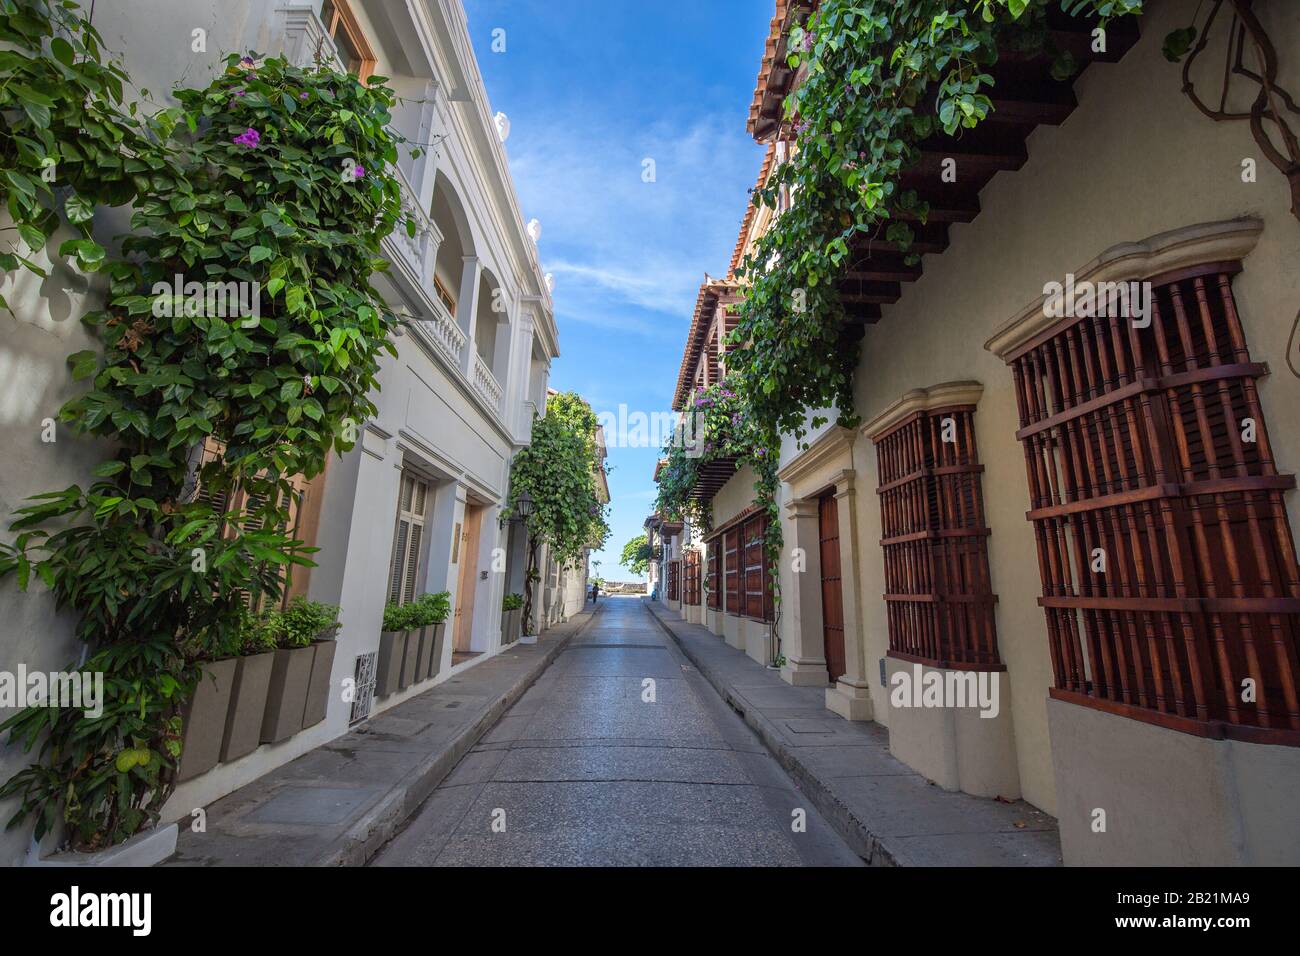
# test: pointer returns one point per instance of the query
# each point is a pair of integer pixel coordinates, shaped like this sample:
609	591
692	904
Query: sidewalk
338	804
888	813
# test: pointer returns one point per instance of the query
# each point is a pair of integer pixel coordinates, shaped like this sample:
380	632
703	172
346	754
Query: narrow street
620	755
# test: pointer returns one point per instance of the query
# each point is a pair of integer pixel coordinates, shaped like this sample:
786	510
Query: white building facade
416	507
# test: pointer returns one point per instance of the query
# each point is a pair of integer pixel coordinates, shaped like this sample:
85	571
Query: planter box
511	625
388	673
247	706
423	670
286	698
411	658
437	640
318	686
205	719
143	849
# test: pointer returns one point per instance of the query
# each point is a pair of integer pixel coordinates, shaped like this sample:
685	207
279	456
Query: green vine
559	470
881	77
272	177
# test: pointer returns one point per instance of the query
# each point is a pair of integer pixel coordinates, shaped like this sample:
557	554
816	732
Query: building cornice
1224	241
835	442
923	399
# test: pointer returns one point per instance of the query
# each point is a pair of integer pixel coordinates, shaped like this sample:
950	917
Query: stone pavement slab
885	810
338	804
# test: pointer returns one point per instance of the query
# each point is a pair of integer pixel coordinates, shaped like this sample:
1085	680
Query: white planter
143	849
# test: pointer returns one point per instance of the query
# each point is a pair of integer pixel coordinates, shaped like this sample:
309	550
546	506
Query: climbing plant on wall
879	76
268	188
560	471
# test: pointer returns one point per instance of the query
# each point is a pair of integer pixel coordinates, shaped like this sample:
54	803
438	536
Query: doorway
468	583
828	538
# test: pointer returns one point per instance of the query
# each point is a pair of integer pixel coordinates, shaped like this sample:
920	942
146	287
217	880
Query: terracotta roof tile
704	305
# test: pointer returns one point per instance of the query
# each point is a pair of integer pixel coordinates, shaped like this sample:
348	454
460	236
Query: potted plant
316	624
434	609
296	630
243	730
512	610
204	718
392	647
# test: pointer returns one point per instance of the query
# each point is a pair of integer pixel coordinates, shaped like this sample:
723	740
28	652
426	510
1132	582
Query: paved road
620	755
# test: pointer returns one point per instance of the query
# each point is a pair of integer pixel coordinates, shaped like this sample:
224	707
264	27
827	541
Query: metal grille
364	678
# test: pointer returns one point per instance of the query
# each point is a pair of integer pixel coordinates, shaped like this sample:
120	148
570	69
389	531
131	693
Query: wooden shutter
674	572
692	571
408	540
1137	446
715	574
939	600
756	583
731	557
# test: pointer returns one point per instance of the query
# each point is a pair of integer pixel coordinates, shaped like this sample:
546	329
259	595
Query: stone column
805	653
851	695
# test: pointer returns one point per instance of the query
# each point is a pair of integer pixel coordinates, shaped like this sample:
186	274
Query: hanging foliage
879	76
240	317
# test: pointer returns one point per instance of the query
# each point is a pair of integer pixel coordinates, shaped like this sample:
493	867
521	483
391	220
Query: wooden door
828	537
468	577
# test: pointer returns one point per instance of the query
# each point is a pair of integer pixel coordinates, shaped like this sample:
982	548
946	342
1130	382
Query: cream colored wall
1133	160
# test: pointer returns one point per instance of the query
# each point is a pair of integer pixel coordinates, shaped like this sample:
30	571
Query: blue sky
592	89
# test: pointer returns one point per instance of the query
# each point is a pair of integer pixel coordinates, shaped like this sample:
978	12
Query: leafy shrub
512	602
304	621
432	608
399	617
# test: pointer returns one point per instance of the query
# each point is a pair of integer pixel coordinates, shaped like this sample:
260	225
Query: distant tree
560	470
636	555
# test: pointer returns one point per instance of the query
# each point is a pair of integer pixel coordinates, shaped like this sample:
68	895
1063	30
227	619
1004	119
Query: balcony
486	385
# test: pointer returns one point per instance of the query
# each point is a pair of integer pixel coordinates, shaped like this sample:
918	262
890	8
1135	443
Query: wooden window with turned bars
756	581
715	575
691	570
1168	565
731	570
674	574
939	600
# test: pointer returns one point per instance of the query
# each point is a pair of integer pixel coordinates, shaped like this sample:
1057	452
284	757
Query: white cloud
616	243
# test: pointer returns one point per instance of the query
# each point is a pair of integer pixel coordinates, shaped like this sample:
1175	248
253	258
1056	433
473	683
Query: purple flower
359	172
249	137
806	44
248	63
302	95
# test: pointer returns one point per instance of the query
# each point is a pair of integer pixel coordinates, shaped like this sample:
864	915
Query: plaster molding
1223	241
923	399
834	446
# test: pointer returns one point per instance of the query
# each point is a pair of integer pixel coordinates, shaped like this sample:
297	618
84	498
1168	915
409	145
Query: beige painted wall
1133	160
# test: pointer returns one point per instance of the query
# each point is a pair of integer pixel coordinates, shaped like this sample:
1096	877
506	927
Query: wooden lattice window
715	575
1168	564
939	600
408	540
758	603
691	560
674	576
731	569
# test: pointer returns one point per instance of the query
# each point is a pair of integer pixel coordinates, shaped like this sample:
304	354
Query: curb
852	830
385	820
